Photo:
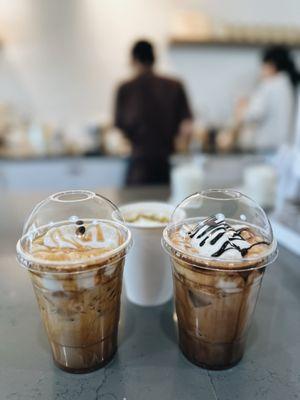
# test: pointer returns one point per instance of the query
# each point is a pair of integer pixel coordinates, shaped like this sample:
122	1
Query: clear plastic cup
216	285
77	286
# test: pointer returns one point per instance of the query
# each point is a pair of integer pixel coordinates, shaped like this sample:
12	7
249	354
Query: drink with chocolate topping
219	252
74	246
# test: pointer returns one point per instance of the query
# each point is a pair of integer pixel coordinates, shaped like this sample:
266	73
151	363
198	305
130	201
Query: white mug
147	274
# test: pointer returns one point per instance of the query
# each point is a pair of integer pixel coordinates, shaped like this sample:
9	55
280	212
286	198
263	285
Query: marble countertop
148	364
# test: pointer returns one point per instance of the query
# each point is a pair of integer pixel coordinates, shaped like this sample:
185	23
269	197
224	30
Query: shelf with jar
195	28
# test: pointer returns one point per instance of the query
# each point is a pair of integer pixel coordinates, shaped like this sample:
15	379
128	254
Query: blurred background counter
63	64
75	172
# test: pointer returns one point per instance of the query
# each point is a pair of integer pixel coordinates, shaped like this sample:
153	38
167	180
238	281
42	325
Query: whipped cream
215	237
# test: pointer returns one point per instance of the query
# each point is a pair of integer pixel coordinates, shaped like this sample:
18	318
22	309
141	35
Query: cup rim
149	203
65	196
26	260
203	261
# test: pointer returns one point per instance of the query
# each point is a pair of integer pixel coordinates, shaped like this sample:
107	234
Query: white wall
216	77
61	59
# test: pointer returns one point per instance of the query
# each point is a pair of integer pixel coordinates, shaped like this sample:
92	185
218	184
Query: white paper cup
147	274
260	183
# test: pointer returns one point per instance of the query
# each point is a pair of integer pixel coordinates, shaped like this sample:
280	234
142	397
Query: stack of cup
260	182
186	179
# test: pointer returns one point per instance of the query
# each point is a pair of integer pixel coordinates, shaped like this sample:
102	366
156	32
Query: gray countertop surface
148	364
102	155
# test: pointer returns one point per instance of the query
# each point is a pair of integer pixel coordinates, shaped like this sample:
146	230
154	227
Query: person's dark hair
143	52
281	58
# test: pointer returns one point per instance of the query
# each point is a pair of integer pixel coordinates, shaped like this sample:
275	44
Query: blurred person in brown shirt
152	111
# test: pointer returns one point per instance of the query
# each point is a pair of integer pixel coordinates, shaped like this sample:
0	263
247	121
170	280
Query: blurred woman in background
266	120
152	111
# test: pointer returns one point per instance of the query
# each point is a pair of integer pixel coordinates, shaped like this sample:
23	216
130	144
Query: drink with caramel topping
220	243
74	246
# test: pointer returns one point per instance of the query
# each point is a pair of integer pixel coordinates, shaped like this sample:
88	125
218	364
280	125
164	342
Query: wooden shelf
227	43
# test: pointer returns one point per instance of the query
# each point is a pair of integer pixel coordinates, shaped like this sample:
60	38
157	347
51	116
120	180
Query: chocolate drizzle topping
213	230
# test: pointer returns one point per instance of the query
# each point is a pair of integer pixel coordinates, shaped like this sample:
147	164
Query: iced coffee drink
218	262
76	267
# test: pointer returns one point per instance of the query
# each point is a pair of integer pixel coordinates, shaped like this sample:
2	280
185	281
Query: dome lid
72	229
222	228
